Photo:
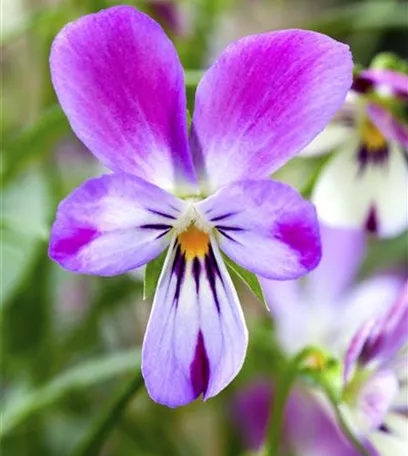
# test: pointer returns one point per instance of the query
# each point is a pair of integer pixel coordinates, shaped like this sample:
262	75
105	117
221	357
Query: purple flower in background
168	12
369	170
328	306
310	426
120	83
376	379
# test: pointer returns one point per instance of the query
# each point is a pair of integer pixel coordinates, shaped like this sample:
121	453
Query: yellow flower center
372	137
316	361
194	242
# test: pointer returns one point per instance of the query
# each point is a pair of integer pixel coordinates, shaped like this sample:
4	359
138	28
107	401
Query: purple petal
310	427
392	333
375	399
112	224
250	410
389	125
196	338
397	82
120	83
263	101
343	253
295	321
266	227
355	348
383	334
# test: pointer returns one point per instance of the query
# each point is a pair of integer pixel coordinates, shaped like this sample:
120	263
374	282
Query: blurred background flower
70	344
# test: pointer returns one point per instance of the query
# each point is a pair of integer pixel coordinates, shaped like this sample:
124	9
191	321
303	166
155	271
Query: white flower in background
365	183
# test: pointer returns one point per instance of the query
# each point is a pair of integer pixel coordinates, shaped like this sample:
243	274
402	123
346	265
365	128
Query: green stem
94	440
280	398
353	439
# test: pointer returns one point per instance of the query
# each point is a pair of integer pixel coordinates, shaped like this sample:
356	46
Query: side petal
345	196
264	100
375	399
392	334
333	136
343	252
266	227
397	82
390	127
112	224
382	319
120	83
196	338
295	322
368	300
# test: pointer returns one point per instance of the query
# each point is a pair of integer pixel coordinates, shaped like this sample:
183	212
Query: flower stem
94	440
277	414
342	422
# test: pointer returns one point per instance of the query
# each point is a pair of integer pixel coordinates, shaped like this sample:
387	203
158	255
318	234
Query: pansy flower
306	312
120	83
365	183
376	379
309	423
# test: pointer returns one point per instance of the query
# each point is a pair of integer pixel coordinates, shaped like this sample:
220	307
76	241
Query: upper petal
196	338
112	224
120	83
266	227
264	99
397	82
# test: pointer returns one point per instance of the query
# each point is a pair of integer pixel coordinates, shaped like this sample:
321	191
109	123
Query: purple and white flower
309	425
329	305
376	379
365	183
120	83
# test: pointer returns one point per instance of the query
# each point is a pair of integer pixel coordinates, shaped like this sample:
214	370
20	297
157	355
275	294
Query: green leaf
33	144
193	77
251	280
99	432
189	119
360	16
78	378
152	274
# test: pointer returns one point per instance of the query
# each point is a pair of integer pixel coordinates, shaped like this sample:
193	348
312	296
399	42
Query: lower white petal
196	338
392	196
394	441
344	195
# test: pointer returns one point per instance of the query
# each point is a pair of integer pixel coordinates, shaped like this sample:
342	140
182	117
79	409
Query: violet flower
368	169
309	426
120	83
328	306
376	379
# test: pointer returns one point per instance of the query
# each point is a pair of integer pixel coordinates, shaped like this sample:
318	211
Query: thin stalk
95	439
277	414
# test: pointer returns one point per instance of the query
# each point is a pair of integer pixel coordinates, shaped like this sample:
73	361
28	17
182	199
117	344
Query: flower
376	379
310	426
369	169
118	79
169	13
328	306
